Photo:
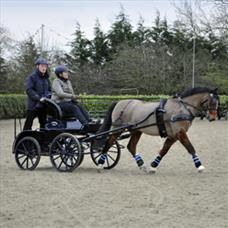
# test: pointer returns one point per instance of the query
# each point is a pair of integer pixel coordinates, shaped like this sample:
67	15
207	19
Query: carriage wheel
65	152
113	156
27	153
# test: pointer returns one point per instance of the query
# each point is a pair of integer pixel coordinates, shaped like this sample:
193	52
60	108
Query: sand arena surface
175	197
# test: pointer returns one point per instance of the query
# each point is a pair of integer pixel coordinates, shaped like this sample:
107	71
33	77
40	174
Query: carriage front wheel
27	153
65	152
112	156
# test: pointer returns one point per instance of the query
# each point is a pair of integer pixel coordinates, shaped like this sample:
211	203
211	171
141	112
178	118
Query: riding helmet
60	69
41	61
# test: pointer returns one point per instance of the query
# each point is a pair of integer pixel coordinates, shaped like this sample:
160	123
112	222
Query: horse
141	117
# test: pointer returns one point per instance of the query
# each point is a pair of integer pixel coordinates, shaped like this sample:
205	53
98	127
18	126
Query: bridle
213	101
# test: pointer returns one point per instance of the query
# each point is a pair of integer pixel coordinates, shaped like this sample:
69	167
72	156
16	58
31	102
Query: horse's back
132	111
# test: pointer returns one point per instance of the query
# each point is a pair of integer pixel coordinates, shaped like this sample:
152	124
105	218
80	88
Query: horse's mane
196	90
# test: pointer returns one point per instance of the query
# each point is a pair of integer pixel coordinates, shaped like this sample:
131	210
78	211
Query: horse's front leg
132	149
183	138
167	144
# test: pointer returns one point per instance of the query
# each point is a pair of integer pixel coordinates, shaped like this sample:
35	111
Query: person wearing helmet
63	94
37	86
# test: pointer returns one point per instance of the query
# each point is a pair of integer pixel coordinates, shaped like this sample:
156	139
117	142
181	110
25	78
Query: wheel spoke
97	156
24	161
22	151
107	162
25	149
74	159
60	146
27	163
58	156
22	155
111	157
66	159
32	161
60	164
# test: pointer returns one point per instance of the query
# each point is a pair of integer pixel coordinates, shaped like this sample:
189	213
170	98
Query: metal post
42	40
193	61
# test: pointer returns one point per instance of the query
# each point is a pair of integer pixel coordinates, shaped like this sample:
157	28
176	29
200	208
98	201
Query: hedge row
14	105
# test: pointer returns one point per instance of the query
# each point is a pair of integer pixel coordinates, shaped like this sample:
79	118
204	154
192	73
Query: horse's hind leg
132	148
107	146
167	144
183	138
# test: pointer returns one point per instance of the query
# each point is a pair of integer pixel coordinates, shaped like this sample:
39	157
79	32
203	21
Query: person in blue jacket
37	86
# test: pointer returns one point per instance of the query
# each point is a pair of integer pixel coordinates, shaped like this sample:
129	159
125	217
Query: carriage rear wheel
27	153
65	152
112	158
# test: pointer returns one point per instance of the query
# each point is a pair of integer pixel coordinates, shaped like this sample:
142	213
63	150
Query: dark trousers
74	109
32	114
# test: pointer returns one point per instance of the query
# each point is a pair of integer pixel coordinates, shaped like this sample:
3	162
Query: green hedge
14	105
98	105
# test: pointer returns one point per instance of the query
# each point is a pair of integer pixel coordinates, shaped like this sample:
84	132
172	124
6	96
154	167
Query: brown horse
178	113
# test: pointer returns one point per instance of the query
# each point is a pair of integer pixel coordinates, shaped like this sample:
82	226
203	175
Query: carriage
65	140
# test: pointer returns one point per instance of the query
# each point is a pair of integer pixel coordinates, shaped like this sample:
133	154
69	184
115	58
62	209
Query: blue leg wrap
102	159
156	162
196	160
139	160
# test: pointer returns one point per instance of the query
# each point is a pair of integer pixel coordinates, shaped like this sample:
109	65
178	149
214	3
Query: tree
80	49
141	35
100	46
5	47
121	31
23	64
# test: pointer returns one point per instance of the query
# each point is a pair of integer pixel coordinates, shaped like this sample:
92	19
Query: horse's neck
195	100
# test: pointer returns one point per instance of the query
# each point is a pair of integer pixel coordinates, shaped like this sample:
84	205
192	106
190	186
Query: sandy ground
176	196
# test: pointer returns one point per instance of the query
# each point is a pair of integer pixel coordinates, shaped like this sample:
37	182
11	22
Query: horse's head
211	104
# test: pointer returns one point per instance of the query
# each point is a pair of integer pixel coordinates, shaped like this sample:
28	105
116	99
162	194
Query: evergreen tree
100	46
121	31
141	35
80	49
27	53
4	65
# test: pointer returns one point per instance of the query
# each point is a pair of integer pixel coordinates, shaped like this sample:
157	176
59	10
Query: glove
75	97
42	99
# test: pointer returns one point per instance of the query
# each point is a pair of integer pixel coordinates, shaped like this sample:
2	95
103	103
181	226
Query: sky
23	17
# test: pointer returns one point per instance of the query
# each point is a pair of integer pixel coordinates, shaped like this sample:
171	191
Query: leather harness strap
160	118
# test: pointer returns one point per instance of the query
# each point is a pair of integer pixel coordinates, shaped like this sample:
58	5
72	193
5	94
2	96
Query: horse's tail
106	125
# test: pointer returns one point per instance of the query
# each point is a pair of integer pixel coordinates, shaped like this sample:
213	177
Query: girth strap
160	118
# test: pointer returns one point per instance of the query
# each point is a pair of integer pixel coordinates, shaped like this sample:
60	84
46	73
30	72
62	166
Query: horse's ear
215	91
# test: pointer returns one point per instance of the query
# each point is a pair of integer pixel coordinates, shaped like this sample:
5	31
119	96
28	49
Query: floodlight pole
193	60
42	39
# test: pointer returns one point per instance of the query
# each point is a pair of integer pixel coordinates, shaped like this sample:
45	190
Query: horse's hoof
152	170
201	169
143	168
100	167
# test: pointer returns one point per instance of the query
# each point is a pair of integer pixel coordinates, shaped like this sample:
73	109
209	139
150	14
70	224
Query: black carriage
65	140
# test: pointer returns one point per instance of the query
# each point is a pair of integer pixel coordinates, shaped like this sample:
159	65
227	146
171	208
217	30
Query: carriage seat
54	110
62	119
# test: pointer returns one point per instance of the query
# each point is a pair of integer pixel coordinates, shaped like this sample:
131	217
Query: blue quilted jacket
37	86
